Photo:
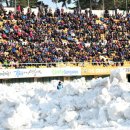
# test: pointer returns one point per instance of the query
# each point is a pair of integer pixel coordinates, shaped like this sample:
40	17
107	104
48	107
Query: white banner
39	72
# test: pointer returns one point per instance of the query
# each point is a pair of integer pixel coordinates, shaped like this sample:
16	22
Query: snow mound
99	103
119	74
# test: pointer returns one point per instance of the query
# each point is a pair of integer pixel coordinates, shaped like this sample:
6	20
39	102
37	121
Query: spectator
63	37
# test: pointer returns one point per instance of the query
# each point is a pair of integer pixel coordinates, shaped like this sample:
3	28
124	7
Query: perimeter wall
97	12
61	73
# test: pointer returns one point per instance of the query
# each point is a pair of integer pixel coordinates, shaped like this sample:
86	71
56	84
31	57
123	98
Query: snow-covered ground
102	103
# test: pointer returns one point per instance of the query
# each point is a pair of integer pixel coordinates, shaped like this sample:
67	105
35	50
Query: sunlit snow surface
80	105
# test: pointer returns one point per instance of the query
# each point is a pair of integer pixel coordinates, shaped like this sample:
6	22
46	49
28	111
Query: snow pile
102	102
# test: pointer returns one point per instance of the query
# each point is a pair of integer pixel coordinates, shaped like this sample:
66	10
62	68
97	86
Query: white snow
80	105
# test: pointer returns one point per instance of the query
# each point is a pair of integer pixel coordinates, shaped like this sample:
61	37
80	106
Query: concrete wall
97	12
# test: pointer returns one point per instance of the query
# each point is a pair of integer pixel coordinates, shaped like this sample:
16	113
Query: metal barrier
64	64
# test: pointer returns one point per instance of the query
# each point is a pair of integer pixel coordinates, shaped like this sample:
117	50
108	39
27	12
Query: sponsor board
39	72
101	70
53	72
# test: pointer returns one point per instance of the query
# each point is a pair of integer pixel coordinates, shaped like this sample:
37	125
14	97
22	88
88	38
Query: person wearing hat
60	85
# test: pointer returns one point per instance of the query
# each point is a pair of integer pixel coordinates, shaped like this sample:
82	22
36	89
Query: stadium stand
55	39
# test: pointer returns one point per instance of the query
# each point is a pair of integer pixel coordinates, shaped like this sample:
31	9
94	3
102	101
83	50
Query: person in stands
63	37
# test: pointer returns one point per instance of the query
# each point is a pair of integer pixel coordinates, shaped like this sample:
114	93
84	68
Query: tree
7	3
98	4
64	2
23	3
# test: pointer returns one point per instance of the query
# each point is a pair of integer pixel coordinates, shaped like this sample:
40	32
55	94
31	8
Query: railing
64	64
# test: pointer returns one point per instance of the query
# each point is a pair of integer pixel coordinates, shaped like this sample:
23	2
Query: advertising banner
53	72
100	70
39	72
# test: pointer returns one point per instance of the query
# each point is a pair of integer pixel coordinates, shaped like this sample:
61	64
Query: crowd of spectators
59	36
